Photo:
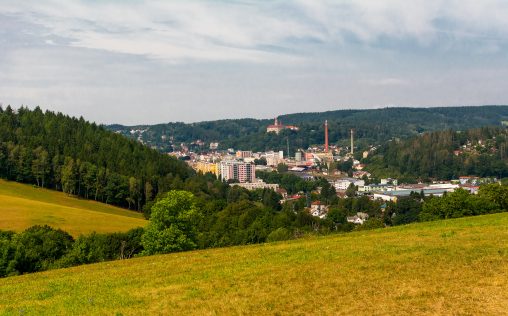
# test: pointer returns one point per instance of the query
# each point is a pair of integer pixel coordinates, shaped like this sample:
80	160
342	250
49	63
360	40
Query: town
244	168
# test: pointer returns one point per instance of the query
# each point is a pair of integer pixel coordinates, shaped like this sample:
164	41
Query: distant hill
22	206
371	126
444	155
445	267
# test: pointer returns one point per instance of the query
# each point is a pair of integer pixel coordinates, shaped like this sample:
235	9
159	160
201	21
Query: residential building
236	170
359	218
274	158
241	154
206	167
344	183
318	209
260	184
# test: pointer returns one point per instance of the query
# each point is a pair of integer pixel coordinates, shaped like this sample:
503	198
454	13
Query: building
214	146
274	158
236	170
396	194
205	167
359	218
344	183
277	127
389	181
241	154
259	184
318	209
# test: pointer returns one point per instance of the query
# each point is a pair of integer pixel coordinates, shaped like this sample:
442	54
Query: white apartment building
344	183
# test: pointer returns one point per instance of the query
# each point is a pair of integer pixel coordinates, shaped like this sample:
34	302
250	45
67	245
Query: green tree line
444	155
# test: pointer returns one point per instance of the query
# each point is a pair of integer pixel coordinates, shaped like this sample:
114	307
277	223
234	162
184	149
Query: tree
40	165
351	190
69	176
281	168
261	161
328	192
172	224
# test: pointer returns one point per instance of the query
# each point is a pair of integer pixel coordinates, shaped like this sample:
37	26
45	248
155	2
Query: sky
145	62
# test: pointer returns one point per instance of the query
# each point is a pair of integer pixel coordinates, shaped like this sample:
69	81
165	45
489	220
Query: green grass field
22	206
452	267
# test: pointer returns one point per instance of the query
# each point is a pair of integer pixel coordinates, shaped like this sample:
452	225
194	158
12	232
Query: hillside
373	126
445	267
22	206
444	155
68	154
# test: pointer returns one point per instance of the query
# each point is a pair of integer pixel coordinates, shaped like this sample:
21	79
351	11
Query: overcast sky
135	62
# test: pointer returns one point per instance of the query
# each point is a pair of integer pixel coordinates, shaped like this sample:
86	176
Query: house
318	209
361	174
468	180
282	192
358	219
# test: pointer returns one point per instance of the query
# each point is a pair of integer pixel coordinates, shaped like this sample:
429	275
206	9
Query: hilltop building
277	127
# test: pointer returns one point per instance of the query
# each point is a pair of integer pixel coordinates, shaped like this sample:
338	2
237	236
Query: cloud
255	31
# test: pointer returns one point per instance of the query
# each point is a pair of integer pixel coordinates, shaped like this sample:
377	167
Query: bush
37	249
279	234
103	247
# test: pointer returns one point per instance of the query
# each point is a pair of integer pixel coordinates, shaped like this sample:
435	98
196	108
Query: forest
371	127
55	151
444	155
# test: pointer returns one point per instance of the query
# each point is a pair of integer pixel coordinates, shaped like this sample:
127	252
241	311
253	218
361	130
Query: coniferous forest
445	155
80	158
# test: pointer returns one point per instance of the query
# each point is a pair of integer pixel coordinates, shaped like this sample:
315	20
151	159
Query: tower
352	143
326	136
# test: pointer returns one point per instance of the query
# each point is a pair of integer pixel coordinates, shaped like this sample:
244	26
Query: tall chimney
326	136
352	144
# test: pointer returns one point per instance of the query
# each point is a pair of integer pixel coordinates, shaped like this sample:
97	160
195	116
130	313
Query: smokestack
352	143
326	136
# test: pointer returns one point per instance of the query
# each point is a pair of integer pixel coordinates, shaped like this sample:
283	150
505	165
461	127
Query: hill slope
371	126
22	206
448	267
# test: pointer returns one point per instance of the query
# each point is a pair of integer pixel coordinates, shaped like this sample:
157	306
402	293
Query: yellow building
205	167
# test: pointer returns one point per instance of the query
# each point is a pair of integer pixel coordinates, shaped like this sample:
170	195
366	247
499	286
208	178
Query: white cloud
253	31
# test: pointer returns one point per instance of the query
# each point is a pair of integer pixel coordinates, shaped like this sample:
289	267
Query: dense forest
444	155
80	158
371	127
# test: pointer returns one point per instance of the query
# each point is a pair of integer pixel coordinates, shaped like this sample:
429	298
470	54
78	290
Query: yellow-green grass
453	267
22	206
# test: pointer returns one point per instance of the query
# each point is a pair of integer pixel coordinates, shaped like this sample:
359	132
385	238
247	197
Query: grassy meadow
22	206
452	267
